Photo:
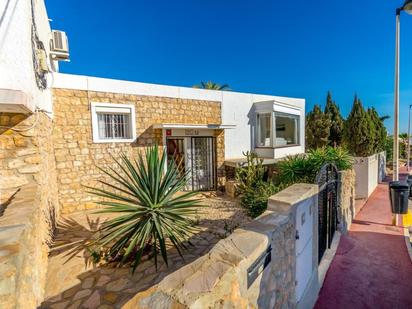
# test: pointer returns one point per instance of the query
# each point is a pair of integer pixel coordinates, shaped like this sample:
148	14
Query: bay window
276	129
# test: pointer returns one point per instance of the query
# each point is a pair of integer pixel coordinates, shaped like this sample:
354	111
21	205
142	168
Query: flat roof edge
101	84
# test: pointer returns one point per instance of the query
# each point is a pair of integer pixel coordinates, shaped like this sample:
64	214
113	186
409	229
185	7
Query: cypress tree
380	130
317	128
337	123
359	133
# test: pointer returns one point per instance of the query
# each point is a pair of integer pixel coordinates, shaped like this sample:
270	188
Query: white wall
16	64
366	170
237	108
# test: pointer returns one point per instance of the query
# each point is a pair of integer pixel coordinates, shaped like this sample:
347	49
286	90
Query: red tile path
372	268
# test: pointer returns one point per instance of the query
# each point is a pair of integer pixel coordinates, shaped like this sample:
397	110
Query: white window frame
110	108
284	114
273	129
258	131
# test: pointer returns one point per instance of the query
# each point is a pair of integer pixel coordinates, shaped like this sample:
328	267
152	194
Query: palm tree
212	86
385	117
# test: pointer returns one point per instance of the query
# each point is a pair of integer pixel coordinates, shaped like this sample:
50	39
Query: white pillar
396	103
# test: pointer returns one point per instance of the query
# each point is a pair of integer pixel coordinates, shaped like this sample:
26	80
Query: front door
197	155
203	163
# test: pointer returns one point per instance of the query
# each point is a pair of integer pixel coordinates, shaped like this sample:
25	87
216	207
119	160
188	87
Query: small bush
252	173
254	187
295	169
255	199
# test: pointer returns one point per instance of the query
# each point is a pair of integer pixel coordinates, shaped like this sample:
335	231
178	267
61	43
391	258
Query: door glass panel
203	163
176	154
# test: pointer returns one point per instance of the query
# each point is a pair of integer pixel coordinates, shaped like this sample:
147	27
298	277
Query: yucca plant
150	214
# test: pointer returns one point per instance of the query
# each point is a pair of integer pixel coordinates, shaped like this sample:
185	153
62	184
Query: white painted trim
110	107
257	129
193	126
277	106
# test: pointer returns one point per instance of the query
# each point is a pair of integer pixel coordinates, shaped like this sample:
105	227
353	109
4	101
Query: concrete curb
328	258
408	241
324	265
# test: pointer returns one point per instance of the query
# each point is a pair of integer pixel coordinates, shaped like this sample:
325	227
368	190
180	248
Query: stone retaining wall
346	202
28	207
77	156
219	279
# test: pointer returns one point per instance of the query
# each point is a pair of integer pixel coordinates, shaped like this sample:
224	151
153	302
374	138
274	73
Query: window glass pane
114	126
264	129
287	129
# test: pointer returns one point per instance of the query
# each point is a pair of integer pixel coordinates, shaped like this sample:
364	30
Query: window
281	131
113	122
287	129
264	128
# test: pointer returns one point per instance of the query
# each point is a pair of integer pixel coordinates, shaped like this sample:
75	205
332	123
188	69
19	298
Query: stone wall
219	279
28	207
346	199
77	156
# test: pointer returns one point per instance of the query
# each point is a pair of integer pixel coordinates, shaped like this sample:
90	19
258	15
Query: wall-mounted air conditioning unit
59	46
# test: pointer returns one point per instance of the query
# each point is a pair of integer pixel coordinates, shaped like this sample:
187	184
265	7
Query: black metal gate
327	179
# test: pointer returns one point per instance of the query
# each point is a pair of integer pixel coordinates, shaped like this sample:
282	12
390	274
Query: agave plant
150	214
295	169
303	168
340	157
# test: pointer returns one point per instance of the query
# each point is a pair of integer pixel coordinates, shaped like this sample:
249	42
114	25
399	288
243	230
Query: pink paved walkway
372	268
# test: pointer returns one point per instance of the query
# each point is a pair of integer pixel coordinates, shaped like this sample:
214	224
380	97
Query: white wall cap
15	101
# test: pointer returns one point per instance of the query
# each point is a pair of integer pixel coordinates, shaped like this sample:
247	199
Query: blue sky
291	48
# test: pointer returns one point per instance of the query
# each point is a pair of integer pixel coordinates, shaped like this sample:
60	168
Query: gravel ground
75	283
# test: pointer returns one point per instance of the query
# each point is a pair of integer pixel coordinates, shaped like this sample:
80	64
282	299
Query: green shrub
143	195
304	167
253	185
295	169
251	172
338	156
255	199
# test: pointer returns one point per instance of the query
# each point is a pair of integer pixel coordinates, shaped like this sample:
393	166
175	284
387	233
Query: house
55	129
90	119
95	118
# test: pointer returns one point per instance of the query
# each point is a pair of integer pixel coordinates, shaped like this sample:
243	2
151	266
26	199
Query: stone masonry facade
28	207
77	157
346	194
